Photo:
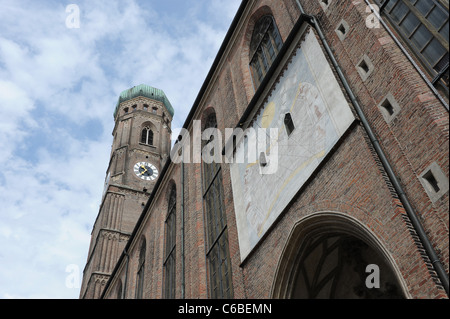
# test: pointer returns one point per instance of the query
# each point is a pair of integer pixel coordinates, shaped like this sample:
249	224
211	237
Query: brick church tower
140	148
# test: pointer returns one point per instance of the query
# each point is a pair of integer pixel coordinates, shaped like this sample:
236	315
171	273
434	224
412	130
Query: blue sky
58	90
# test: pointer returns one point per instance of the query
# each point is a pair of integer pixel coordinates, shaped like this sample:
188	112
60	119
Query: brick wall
350	181
418	136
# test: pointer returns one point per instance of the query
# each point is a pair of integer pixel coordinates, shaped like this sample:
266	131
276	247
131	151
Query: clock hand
145	170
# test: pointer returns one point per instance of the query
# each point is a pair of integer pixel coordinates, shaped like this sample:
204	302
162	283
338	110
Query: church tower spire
140	147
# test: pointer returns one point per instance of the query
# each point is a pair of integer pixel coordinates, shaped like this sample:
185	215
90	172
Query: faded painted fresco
320	115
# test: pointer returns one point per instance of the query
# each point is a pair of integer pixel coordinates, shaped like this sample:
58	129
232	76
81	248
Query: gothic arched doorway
332	256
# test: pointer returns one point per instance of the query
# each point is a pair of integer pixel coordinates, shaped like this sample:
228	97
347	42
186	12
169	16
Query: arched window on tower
147	136
169	260
265	44
140	272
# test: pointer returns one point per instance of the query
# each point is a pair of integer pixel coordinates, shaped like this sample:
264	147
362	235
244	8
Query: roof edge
144	91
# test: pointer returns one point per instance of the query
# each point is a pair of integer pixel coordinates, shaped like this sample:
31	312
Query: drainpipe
440	270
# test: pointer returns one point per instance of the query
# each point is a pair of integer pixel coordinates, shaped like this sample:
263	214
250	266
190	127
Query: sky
62	68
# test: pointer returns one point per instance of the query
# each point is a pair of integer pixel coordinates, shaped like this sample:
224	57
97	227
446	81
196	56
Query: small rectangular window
388	107
289	124
435	182
364	67
429	177
342	30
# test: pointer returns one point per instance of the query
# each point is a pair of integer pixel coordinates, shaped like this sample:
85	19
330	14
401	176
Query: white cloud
14	108
54	83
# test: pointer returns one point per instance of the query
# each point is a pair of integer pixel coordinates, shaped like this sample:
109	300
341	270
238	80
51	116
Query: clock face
146	171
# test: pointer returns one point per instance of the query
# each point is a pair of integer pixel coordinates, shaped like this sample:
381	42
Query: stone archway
326	257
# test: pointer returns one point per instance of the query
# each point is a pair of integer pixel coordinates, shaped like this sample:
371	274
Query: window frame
216	230
437	68
261	59
169	263
149	136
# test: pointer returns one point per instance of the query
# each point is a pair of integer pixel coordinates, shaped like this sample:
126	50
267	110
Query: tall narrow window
264	46
147	136
217	254
140	273
169	260
423	24
119	290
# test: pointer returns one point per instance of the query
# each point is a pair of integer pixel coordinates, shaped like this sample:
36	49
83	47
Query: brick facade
349	184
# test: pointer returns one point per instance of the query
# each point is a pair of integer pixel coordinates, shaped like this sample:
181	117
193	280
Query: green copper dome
146	91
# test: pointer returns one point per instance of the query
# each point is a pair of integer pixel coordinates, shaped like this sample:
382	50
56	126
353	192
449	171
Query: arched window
265	44
217	254
169	260
147	136
330	267
327	256
140	272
